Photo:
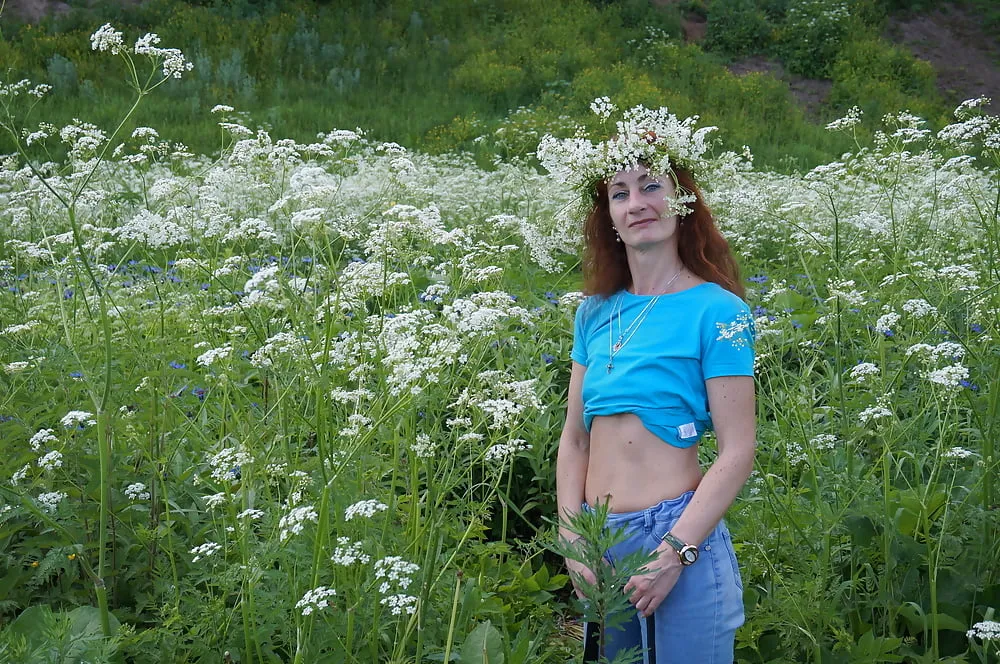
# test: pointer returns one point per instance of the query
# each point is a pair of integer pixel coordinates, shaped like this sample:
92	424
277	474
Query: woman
662	351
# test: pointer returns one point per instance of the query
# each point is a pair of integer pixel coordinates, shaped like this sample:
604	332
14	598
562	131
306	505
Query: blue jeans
697	621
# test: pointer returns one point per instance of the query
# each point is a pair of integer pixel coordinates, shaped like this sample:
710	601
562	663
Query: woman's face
640	208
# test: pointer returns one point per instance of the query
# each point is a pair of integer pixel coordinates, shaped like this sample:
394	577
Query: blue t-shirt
659	375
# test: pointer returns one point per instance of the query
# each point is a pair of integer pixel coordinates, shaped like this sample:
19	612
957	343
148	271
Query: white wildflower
78	417
886	322
51	460
136	491
294	522
861	372
317	598
919	308
400	604
347	553
50	501
205	550
949	377
364	508
501	451
41	437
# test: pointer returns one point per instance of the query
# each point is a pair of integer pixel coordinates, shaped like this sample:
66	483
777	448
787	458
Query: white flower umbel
209	357
347	553
879	411
41	437
205	550
78	417
987	630
50	501
863	371
51	460
365	509
227	464
106	38
949	377
317	598
919	308
886	322
296	519
395	571
501	451
136	491
400	604
959	453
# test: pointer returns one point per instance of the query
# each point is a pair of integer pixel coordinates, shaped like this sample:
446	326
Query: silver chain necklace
624	336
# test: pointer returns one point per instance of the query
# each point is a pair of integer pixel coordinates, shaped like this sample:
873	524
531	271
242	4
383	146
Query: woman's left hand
648	589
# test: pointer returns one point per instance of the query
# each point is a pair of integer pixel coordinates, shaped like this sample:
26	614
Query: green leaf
482	646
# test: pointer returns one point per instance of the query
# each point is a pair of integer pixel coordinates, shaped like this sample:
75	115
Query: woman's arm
732	405
571	468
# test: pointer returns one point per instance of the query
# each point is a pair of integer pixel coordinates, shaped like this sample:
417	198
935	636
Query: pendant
610	366
618	345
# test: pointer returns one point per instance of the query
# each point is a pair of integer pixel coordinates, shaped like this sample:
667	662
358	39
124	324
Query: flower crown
652	137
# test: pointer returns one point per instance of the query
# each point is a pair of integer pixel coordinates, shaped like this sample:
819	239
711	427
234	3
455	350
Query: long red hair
700	245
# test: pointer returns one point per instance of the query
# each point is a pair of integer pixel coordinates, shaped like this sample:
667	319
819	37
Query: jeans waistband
670	508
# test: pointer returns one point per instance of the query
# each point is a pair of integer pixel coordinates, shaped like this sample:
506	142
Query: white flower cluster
949	377
423	447
365	509
296	519
653	137
51	460
400	604
41	437
78	417
959	453
227	464
317	598
396	572
502	400
502	451
50	501
347	553
987	630
823	441
205	550
136	491
282	344
886	322
879	411
919	308
209	357
26	326
174	62
862	371
845	290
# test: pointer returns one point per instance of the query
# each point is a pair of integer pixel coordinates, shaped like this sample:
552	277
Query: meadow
298	401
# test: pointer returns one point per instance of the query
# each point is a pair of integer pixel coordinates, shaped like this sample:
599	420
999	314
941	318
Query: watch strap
673	541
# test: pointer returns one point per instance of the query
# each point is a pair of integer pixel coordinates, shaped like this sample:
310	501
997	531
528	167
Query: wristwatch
688	553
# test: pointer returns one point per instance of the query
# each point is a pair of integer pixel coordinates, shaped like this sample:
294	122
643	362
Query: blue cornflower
759	311
76	374
236	472
68	293
199	392
307	259
174	364
205	286
548	359
758	279
976	327
6	418
967	384
796	324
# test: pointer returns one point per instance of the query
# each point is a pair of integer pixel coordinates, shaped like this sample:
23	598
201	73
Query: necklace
624	336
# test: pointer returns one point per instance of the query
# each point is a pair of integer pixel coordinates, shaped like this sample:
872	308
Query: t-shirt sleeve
579	352
728	339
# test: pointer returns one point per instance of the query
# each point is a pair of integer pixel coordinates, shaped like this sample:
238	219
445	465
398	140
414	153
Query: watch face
689	555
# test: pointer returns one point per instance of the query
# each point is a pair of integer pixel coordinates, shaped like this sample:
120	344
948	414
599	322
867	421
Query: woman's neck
651	272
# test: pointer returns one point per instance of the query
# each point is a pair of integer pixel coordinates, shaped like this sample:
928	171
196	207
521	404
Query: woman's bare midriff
631	469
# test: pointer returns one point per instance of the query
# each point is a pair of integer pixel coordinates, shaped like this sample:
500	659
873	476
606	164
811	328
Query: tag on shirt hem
687	430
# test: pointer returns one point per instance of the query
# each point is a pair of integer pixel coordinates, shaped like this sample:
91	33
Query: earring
618	238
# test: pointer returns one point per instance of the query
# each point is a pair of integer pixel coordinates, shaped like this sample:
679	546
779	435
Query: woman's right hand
579	572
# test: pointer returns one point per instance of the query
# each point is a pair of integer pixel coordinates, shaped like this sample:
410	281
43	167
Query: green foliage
738	27
882	78
811	36
40	636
